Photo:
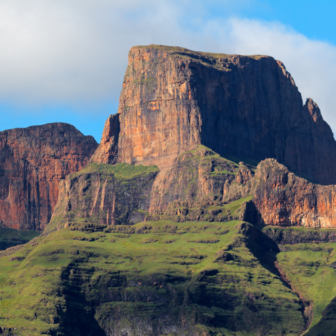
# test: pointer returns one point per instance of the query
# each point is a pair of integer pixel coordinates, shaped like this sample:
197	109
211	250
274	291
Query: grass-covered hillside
199	268
153	278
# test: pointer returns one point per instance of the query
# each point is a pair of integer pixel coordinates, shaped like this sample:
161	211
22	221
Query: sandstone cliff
203	186
284	199
243	107
33	160
102	195
267	195
107	151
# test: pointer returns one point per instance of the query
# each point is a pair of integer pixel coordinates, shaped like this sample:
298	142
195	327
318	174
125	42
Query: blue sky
63	61
314	19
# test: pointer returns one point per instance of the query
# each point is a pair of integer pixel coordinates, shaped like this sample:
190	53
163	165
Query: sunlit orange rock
33	160
284	199
244	107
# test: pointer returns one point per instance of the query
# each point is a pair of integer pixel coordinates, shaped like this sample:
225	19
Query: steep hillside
153	278
192	216
33	160
175	274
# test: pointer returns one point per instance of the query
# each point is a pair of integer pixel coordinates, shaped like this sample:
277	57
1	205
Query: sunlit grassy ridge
210	273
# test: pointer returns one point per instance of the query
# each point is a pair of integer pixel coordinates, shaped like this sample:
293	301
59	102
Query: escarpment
246	108
201	185
195	215
101	195
33	160
284	199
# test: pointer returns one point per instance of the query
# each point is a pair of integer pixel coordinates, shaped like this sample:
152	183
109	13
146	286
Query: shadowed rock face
107	151
33	160
246	107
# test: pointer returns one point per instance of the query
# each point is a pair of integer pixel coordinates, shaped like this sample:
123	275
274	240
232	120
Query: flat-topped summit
242	107
184	52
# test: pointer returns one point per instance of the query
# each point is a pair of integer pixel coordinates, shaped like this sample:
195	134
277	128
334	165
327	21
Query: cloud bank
75	52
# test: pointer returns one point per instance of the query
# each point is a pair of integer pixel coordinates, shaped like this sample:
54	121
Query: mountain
197	214
33	160
242	107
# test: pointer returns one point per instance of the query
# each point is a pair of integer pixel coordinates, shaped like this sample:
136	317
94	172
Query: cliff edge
247	108
33	160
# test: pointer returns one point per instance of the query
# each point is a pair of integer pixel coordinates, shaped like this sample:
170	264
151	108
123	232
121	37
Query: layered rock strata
284	199
107	151
101	195
201	185
33	160
246	107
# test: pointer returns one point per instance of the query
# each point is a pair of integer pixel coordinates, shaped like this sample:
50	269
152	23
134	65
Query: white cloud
69	51
312	63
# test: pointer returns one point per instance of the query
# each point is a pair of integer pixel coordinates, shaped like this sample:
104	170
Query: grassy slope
121	171
164	260
11	237
307	267
56	282
306	263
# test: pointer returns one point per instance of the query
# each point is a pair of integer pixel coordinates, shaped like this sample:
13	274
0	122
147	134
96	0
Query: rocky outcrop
284	199
203	186
196	176
244	107
281	198
101	195
107	151
33	160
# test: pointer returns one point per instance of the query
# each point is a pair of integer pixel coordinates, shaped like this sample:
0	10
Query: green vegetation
231	208
121	171
307	267
193	269
308	261
211	275
11	237
193	54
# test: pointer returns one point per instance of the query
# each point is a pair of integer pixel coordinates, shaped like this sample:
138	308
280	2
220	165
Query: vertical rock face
245	107
33	160
107	151
102	195
197	176
280	198
159	116
284	199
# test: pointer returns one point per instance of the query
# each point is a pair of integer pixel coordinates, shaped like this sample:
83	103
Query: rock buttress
33	160
107	151
243	107
284	199
101	195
